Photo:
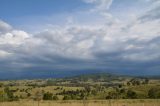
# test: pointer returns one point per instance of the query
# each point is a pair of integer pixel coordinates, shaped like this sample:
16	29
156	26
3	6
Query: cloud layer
122	46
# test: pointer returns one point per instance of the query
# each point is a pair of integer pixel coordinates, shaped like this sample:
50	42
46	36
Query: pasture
127	102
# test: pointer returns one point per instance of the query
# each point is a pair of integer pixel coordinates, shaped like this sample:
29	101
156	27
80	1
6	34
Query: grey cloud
4	27
153	13
115	47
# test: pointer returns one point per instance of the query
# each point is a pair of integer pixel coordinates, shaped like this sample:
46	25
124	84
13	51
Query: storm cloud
116	46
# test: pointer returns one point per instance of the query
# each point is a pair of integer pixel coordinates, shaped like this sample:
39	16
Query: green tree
87	89
9	96
146	81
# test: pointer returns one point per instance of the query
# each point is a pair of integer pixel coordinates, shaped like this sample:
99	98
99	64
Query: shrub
55	97
47	96
112	95
154	93
67	97
131	94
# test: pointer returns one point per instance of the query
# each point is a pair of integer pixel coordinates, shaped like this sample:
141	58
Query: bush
67	97
47	96
9	95
28	94
55	97
154	93
112	95
131	94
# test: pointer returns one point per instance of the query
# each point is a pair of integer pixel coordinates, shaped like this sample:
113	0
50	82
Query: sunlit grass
127	102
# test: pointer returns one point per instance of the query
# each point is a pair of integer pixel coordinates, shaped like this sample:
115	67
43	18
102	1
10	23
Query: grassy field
147	102
86	90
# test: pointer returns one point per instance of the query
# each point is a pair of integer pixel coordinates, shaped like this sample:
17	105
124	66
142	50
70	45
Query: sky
119	36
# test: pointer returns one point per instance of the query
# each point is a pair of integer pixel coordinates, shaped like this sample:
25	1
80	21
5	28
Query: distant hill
12	75
81	75
99	77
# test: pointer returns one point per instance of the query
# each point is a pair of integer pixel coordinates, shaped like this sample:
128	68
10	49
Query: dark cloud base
116	46
59	73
